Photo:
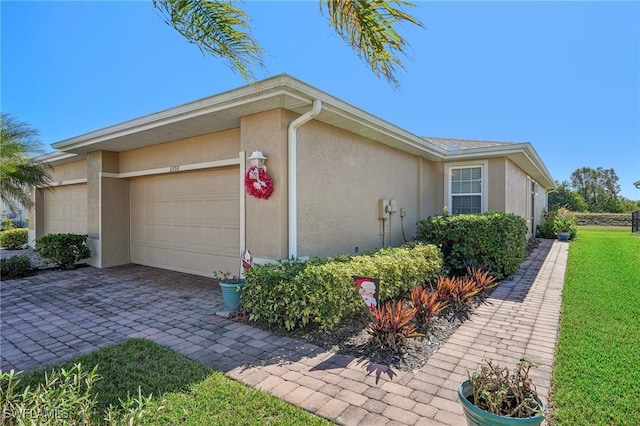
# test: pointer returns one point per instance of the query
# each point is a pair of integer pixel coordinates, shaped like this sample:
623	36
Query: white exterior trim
177	168
66	182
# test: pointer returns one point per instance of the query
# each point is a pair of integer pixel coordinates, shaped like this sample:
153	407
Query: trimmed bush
14	239
293	294
63	249
494	240
15	267
547	228
7	224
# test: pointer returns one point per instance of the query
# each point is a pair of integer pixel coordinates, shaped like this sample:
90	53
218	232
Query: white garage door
65	209
188	222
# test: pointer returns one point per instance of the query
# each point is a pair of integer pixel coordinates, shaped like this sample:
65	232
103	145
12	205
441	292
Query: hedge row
497	241
292	294
603	219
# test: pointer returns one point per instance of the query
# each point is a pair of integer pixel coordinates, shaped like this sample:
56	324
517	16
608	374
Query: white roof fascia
57	158
543	175
282	85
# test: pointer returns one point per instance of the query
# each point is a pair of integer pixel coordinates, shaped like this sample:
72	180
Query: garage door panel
187	222
65	209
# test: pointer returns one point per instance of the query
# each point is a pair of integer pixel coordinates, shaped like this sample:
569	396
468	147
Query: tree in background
18	140
563	196
222	29
599	188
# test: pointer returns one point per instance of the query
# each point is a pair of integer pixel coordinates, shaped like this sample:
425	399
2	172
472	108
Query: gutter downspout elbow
292	174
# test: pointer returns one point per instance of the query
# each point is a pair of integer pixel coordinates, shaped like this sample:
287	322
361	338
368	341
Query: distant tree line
591	190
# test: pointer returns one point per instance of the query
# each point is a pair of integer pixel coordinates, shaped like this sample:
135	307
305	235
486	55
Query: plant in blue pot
497	396
231	287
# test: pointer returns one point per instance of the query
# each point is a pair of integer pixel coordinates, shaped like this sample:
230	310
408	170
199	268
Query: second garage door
188	222
65	209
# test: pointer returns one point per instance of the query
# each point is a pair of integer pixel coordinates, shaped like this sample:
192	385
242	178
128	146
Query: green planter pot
478	417
231	292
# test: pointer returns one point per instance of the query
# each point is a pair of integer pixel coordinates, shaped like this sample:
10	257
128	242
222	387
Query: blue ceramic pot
231	294
479	417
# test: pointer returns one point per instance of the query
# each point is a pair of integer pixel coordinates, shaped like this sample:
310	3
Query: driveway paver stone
52	317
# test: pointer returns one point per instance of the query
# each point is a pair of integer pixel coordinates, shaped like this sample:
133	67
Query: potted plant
496	396
231	287
565	224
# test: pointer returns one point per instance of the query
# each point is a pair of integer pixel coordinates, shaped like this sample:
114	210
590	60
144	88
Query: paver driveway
56	316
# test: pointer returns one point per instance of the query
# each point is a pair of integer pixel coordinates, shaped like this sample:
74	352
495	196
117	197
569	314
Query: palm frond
18	174
216	27
369	27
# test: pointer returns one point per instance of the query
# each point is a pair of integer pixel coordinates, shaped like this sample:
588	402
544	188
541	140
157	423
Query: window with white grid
466	189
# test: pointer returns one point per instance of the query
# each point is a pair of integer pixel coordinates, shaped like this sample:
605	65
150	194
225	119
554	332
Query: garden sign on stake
369	289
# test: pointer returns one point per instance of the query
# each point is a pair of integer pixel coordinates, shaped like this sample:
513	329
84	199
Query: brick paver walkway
53	317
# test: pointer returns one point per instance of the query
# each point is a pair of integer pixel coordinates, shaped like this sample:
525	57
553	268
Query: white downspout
293	170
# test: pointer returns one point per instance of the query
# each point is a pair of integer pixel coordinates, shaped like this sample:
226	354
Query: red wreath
258	182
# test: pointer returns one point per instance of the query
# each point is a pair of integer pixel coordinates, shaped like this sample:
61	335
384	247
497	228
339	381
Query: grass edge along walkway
596	374
189	393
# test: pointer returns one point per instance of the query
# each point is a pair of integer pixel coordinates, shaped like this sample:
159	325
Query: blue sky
564	76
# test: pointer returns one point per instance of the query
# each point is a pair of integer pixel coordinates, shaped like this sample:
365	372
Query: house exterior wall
517	191
69	171
199	149
431	191
60	175
496	182
341	177
267	220
541	203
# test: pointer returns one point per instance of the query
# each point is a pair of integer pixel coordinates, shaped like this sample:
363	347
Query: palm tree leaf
216	27
18	174
368	26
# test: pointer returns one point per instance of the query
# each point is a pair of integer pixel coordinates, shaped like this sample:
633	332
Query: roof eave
523	154
281	91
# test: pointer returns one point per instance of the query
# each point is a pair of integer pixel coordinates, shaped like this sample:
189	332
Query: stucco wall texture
341	176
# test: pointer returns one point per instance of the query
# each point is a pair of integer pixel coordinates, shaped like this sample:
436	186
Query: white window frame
466	165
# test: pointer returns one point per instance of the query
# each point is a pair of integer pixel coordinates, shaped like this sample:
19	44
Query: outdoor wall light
257	159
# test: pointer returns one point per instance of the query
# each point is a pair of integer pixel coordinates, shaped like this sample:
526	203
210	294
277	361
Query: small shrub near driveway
14	239
15	267
63	249
495	240
294	295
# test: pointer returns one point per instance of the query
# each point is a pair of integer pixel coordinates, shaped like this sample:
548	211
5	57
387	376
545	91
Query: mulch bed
351	337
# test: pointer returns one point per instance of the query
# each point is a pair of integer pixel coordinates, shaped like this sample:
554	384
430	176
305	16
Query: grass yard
188	392
596	376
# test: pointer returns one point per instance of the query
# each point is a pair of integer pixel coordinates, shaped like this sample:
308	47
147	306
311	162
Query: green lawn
596	375
188	392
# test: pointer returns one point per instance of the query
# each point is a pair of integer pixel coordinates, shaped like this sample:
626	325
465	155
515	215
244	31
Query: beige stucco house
167	189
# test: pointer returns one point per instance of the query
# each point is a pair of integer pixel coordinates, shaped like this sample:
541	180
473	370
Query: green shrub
14	239
63	249
7	224
547	228
558	220
292	294
494	240
15	267
65	394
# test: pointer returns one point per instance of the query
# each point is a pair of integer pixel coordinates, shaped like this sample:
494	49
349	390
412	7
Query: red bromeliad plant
485	281
392	325
457	291
427	305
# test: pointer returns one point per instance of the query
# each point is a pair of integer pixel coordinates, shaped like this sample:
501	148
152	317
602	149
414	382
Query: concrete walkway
55	316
